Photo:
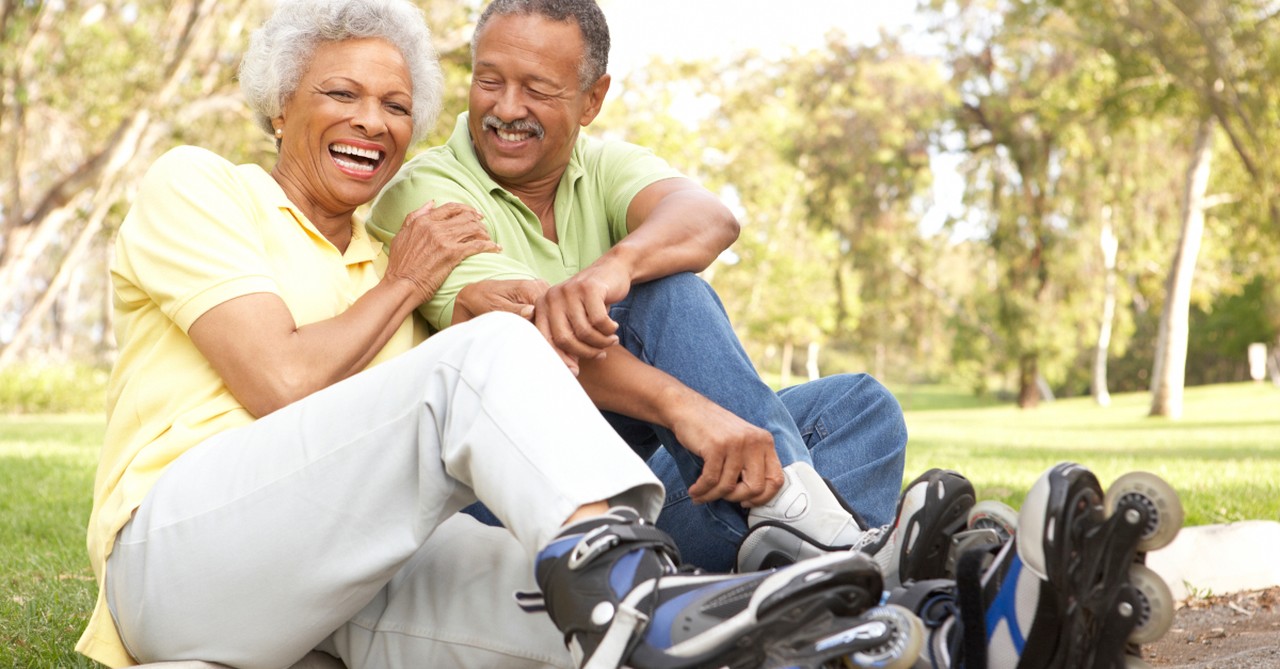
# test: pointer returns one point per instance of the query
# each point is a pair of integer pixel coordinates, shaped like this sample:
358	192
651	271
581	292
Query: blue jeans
848	426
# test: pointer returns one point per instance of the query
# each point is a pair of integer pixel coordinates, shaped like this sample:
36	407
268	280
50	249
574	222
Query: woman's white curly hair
280	51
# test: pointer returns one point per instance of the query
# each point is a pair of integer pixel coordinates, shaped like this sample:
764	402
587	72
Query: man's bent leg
856	435
852	424
854	430
678	325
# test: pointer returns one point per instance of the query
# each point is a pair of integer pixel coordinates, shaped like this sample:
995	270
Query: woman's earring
279	133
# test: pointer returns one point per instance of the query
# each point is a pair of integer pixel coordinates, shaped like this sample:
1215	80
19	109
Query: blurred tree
827	153
774	281
865	119
1029	89
91	91
1215	60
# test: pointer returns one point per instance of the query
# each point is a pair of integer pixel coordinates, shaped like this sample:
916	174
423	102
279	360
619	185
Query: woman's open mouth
356	160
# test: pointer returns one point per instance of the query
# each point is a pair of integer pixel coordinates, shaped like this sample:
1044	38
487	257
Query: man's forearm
624	384
683	231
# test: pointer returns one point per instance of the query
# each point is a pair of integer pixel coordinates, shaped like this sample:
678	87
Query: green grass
46	586
1223	457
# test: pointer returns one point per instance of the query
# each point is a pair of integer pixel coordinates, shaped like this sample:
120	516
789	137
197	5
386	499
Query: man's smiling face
526	101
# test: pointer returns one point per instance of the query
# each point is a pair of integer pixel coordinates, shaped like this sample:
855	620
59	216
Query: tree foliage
92	91
1072	122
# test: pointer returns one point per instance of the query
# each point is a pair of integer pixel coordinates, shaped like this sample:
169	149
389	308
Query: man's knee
684	293
854	401
875	395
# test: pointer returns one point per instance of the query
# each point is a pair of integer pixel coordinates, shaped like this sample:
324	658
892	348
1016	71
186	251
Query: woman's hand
431	243
514	295
268	361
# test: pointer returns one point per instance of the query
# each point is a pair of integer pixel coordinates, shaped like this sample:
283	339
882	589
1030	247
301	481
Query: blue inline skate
612	586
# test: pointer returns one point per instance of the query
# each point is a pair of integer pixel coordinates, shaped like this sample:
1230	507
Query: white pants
323	524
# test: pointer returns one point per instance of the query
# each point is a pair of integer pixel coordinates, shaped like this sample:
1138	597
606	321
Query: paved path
1220	559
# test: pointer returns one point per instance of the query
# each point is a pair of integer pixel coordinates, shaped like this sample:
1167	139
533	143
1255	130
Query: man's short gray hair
587	14
280	52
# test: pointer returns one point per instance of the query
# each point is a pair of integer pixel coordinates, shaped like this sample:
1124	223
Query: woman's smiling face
348	125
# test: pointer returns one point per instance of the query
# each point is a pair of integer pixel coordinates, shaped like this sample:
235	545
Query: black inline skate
1069	592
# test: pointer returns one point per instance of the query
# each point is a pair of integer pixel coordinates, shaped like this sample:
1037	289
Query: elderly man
600	242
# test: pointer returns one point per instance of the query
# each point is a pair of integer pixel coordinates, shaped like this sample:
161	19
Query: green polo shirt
591	210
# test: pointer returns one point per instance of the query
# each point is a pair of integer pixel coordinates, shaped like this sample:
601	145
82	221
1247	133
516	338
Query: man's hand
517	296
740	463
574	315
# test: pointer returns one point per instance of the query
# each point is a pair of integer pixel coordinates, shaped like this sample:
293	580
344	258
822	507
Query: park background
1050	226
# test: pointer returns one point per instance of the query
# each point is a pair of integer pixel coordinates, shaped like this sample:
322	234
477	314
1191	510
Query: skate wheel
900	651
1164	509
1131	662
1155	605
994	515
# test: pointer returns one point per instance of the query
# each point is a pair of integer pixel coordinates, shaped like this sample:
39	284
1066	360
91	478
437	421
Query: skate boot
611	585
1069	592
807	518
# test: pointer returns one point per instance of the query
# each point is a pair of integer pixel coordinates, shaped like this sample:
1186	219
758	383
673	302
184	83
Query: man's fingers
565	319
703	488
598	321
751	482
542	322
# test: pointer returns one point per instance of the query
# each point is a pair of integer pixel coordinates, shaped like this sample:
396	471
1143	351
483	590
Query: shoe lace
872	539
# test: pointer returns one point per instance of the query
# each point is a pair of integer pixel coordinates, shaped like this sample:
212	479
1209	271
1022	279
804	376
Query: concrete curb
1220	559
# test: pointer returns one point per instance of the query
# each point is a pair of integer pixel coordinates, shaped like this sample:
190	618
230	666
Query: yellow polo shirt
201	231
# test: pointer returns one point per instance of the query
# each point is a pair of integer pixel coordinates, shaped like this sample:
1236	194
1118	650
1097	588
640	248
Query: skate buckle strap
616	643
530	602
592	545
604	538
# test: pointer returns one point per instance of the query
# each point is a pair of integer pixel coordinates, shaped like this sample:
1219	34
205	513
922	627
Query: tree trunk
1169	369
1109	243
104	198
811	365
1028	377
788	353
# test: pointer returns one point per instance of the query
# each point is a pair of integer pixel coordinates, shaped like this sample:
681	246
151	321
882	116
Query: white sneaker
807	518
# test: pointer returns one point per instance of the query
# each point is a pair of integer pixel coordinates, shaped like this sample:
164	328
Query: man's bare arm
740	463
674	226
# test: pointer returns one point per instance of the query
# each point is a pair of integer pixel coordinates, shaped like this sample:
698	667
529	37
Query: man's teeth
510	136
371	154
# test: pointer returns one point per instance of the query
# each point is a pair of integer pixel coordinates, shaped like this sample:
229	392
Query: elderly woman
282	465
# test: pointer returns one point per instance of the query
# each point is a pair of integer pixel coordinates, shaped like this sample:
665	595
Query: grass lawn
1223	457
46	586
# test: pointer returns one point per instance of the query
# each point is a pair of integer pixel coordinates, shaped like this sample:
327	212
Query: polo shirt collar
361	249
